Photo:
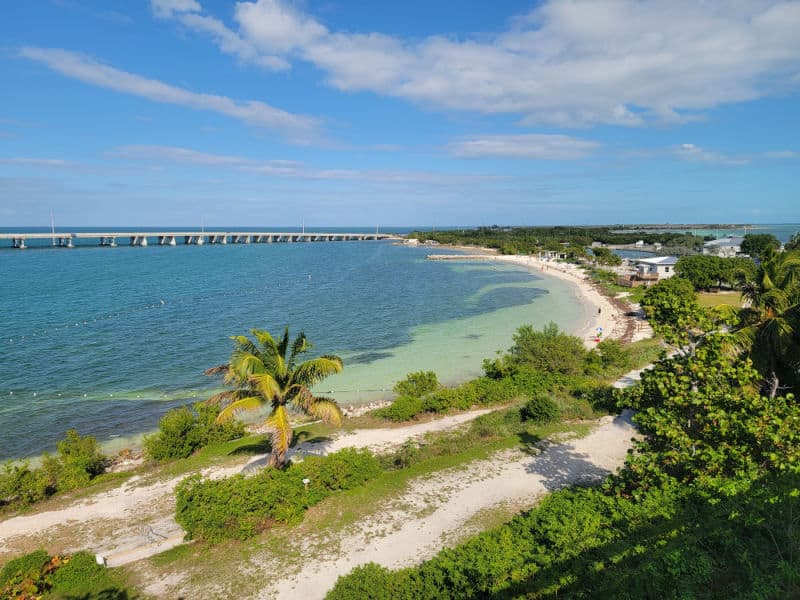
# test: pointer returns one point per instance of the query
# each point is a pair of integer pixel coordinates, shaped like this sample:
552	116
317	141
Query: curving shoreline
610	317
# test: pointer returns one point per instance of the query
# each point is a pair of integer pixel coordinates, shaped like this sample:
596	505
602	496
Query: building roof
664	261
726	241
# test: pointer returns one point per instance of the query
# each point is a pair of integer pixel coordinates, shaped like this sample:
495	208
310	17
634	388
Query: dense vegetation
705	506
571	240
541	362
767	331
78	461
756	244
706	272
39	575
238	507
267	373
182	431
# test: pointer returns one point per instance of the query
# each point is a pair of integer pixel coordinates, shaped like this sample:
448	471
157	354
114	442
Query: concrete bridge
192	238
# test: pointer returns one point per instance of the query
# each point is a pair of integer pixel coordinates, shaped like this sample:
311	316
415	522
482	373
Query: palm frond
211	371
280	430
245	364
266	385
246	403
740	341
264	338
244	344
299	346
326	409
283	345
222	397
317	369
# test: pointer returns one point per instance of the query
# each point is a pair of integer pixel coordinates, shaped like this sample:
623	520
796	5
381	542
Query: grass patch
712	299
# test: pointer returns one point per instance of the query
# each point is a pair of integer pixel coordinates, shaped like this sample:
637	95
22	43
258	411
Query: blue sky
269	112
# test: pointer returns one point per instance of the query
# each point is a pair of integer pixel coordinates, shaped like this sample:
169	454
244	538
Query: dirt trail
439	506
136	520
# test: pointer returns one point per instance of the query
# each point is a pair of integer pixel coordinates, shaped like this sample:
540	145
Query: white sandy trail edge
398	538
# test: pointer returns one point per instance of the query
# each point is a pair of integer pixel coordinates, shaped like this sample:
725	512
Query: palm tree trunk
772	385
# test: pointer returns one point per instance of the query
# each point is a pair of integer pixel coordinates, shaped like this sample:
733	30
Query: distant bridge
194	238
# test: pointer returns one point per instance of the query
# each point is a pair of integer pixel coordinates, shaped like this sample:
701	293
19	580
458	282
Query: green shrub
348	469
182	431
29	565
78	576
402	409
368	582
446	399
19	484
78	461
238	507
417	384
540	409
81	575
81	453
549	350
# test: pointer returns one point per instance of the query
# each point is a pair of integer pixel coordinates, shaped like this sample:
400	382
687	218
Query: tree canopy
755	244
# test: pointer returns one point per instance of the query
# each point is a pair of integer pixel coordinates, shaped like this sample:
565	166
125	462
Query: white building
658	267
726	247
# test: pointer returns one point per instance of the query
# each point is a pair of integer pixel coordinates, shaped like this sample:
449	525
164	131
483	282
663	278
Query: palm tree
261	374
769	325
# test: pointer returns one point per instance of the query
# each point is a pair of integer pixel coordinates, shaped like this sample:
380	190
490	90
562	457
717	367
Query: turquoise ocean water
107	339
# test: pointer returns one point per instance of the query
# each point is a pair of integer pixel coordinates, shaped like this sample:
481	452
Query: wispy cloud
188	14
565	63
783	155
298	128
291	169
39	162
694	153
525	146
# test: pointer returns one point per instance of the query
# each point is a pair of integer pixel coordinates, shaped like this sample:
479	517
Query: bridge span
112	239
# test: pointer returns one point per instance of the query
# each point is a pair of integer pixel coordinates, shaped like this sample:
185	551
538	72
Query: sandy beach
604	315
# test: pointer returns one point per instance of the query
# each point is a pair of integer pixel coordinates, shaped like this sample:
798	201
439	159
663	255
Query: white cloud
782	154
695	153
290	169
298	128
565	63
38	162
530	146
168	8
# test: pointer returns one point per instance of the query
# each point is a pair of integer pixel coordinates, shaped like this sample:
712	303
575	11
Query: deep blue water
107	339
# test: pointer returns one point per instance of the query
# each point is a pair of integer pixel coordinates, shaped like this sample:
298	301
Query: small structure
649	271
726	247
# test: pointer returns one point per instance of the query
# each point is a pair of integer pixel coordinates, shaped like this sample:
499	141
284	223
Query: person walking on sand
599	310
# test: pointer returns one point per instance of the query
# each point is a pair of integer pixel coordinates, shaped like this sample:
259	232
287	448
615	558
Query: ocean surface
106	340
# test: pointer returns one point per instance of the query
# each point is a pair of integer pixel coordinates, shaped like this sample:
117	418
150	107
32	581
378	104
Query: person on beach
599	310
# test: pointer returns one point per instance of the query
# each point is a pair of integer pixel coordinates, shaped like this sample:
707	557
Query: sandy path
401	537
136	520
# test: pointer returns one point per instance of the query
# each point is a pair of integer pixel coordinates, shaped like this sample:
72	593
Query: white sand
610	318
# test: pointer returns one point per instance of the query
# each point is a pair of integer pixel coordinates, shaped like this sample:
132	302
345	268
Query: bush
19	484
368	582
549	350
183	431
238	507
78	461
540	409
37	574
347	469
29	565
402	409
417	384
